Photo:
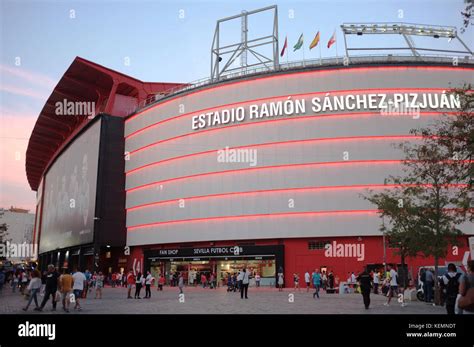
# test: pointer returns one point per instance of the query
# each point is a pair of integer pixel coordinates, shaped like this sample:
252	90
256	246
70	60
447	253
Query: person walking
89	283
113	280
180	283
245	283
15	280
331	280
239	280
451	282
316	282
465	292
52	279
428	284
281	280
257	280
211	281
78	287
148	280
34	287
99	285
296	280
124	279
24	281
65	288
324	279
130	283
307	280
161	282
393	282
365	282
138	285
376	281
2	279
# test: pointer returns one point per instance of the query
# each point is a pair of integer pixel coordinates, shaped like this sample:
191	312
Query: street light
384	247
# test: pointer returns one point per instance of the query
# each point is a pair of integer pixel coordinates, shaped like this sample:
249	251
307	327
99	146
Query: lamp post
384	247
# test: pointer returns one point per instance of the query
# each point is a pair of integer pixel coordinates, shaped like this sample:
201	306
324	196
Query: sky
163	41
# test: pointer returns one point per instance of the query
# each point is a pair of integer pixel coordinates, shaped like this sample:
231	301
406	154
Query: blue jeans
428	288
33	295
316	293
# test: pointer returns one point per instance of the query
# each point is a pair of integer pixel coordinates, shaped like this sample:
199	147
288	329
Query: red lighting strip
336	92
265	168
300	118
348	138
284	214
253	192
291	74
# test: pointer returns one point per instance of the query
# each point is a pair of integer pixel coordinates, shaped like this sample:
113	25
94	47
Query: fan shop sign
202	251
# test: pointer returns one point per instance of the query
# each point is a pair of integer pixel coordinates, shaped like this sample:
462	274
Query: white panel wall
156	175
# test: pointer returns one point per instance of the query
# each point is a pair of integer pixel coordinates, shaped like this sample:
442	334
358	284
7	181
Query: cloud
29	76
43	96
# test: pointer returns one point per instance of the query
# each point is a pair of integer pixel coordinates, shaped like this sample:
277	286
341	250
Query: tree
402	220
466	16
455	138
435	187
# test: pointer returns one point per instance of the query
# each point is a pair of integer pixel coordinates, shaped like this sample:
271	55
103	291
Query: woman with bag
465	299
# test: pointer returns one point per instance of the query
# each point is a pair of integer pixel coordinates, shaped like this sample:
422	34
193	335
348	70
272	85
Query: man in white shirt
79	280
353	280
376	282
393	291
148	281
307	280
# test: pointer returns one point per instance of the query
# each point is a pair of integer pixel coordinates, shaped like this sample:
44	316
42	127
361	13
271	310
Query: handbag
466	302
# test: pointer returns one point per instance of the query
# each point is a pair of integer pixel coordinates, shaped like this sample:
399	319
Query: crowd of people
66	287
71	287
454	287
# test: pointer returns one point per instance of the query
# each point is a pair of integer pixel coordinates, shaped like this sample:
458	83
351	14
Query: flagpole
337	55
303	56
320	59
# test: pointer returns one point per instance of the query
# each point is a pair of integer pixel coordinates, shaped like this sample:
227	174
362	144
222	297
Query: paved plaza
219	301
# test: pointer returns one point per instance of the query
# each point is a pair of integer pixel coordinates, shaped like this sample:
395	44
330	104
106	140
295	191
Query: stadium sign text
328	103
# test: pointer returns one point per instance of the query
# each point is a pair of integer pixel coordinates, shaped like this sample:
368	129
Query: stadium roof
111	92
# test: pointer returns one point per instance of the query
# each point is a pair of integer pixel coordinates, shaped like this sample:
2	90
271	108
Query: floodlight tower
228	54
406	30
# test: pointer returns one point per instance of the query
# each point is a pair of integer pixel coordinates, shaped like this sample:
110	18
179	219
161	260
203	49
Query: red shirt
161	280
131	279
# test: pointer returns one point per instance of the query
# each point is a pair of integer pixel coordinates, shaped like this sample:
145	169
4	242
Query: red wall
299	259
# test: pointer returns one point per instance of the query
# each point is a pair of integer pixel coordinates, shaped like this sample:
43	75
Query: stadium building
265	168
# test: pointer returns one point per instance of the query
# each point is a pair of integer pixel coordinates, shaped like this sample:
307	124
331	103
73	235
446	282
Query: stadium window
317	245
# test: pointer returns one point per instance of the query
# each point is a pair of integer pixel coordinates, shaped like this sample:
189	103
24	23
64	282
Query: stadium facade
265	170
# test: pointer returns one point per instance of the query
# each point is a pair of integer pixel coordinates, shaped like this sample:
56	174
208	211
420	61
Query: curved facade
308	166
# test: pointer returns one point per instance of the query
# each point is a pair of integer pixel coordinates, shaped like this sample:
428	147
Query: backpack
423	277
452	288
